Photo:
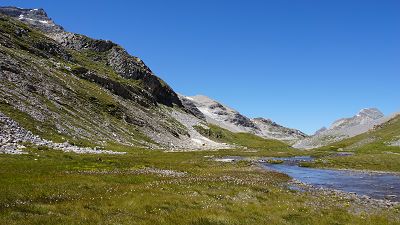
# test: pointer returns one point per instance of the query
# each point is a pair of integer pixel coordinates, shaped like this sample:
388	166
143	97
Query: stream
374	185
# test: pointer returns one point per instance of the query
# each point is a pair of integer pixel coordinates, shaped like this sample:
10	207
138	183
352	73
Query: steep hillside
220	115
272	130
344	128
67	87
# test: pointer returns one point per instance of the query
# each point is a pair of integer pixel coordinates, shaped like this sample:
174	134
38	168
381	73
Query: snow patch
189	98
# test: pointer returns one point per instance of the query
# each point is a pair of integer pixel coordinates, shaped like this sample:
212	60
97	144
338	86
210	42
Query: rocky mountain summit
230	119
37	18
364	116
344	128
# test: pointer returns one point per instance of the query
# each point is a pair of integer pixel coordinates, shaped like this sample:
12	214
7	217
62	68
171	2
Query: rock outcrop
272	130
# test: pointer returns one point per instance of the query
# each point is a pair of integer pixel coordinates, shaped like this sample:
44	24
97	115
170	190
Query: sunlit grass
51	187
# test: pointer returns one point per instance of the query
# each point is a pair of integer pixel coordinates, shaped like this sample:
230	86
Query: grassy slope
250	141
371	150
51	187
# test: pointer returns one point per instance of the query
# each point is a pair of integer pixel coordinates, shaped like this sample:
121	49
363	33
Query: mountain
384	137
344	128
36	18
68	91
72	90
223	116
272	130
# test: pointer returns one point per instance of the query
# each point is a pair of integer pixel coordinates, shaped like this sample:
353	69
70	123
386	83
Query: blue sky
302	63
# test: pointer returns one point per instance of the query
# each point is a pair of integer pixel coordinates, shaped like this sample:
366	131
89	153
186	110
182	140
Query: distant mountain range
363	121
57	86
384	137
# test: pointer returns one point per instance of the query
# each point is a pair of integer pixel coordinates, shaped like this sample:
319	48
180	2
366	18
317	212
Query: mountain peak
363	121
372	113
36	17
322	129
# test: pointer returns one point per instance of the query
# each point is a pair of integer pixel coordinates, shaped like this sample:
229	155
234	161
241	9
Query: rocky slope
13	137
216	113
69	88
383	137
344	128
272	130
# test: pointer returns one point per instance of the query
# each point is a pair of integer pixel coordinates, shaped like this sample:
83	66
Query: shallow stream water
374	185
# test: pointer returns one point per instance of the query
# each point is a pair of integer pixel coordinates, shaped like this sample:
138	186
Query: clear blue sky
302	63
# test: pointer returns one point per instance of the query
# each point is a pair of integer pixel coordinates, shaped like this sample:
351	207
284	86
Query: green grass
52	187
377	162
248	140
64	188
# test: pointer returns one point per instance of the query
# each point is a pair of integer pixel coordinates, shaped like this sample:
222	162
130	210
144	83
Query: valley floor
155	187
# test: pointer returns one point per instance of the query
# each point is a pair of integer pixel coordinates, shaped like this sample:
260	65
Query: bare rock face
272	130
126	65
230	119
131	67
191	107
222	115
365	116
81	42
344	128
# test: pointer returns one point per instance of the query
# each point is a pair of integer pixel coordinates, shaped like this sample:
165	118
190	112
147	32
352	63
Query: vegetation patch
47	187
241	139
